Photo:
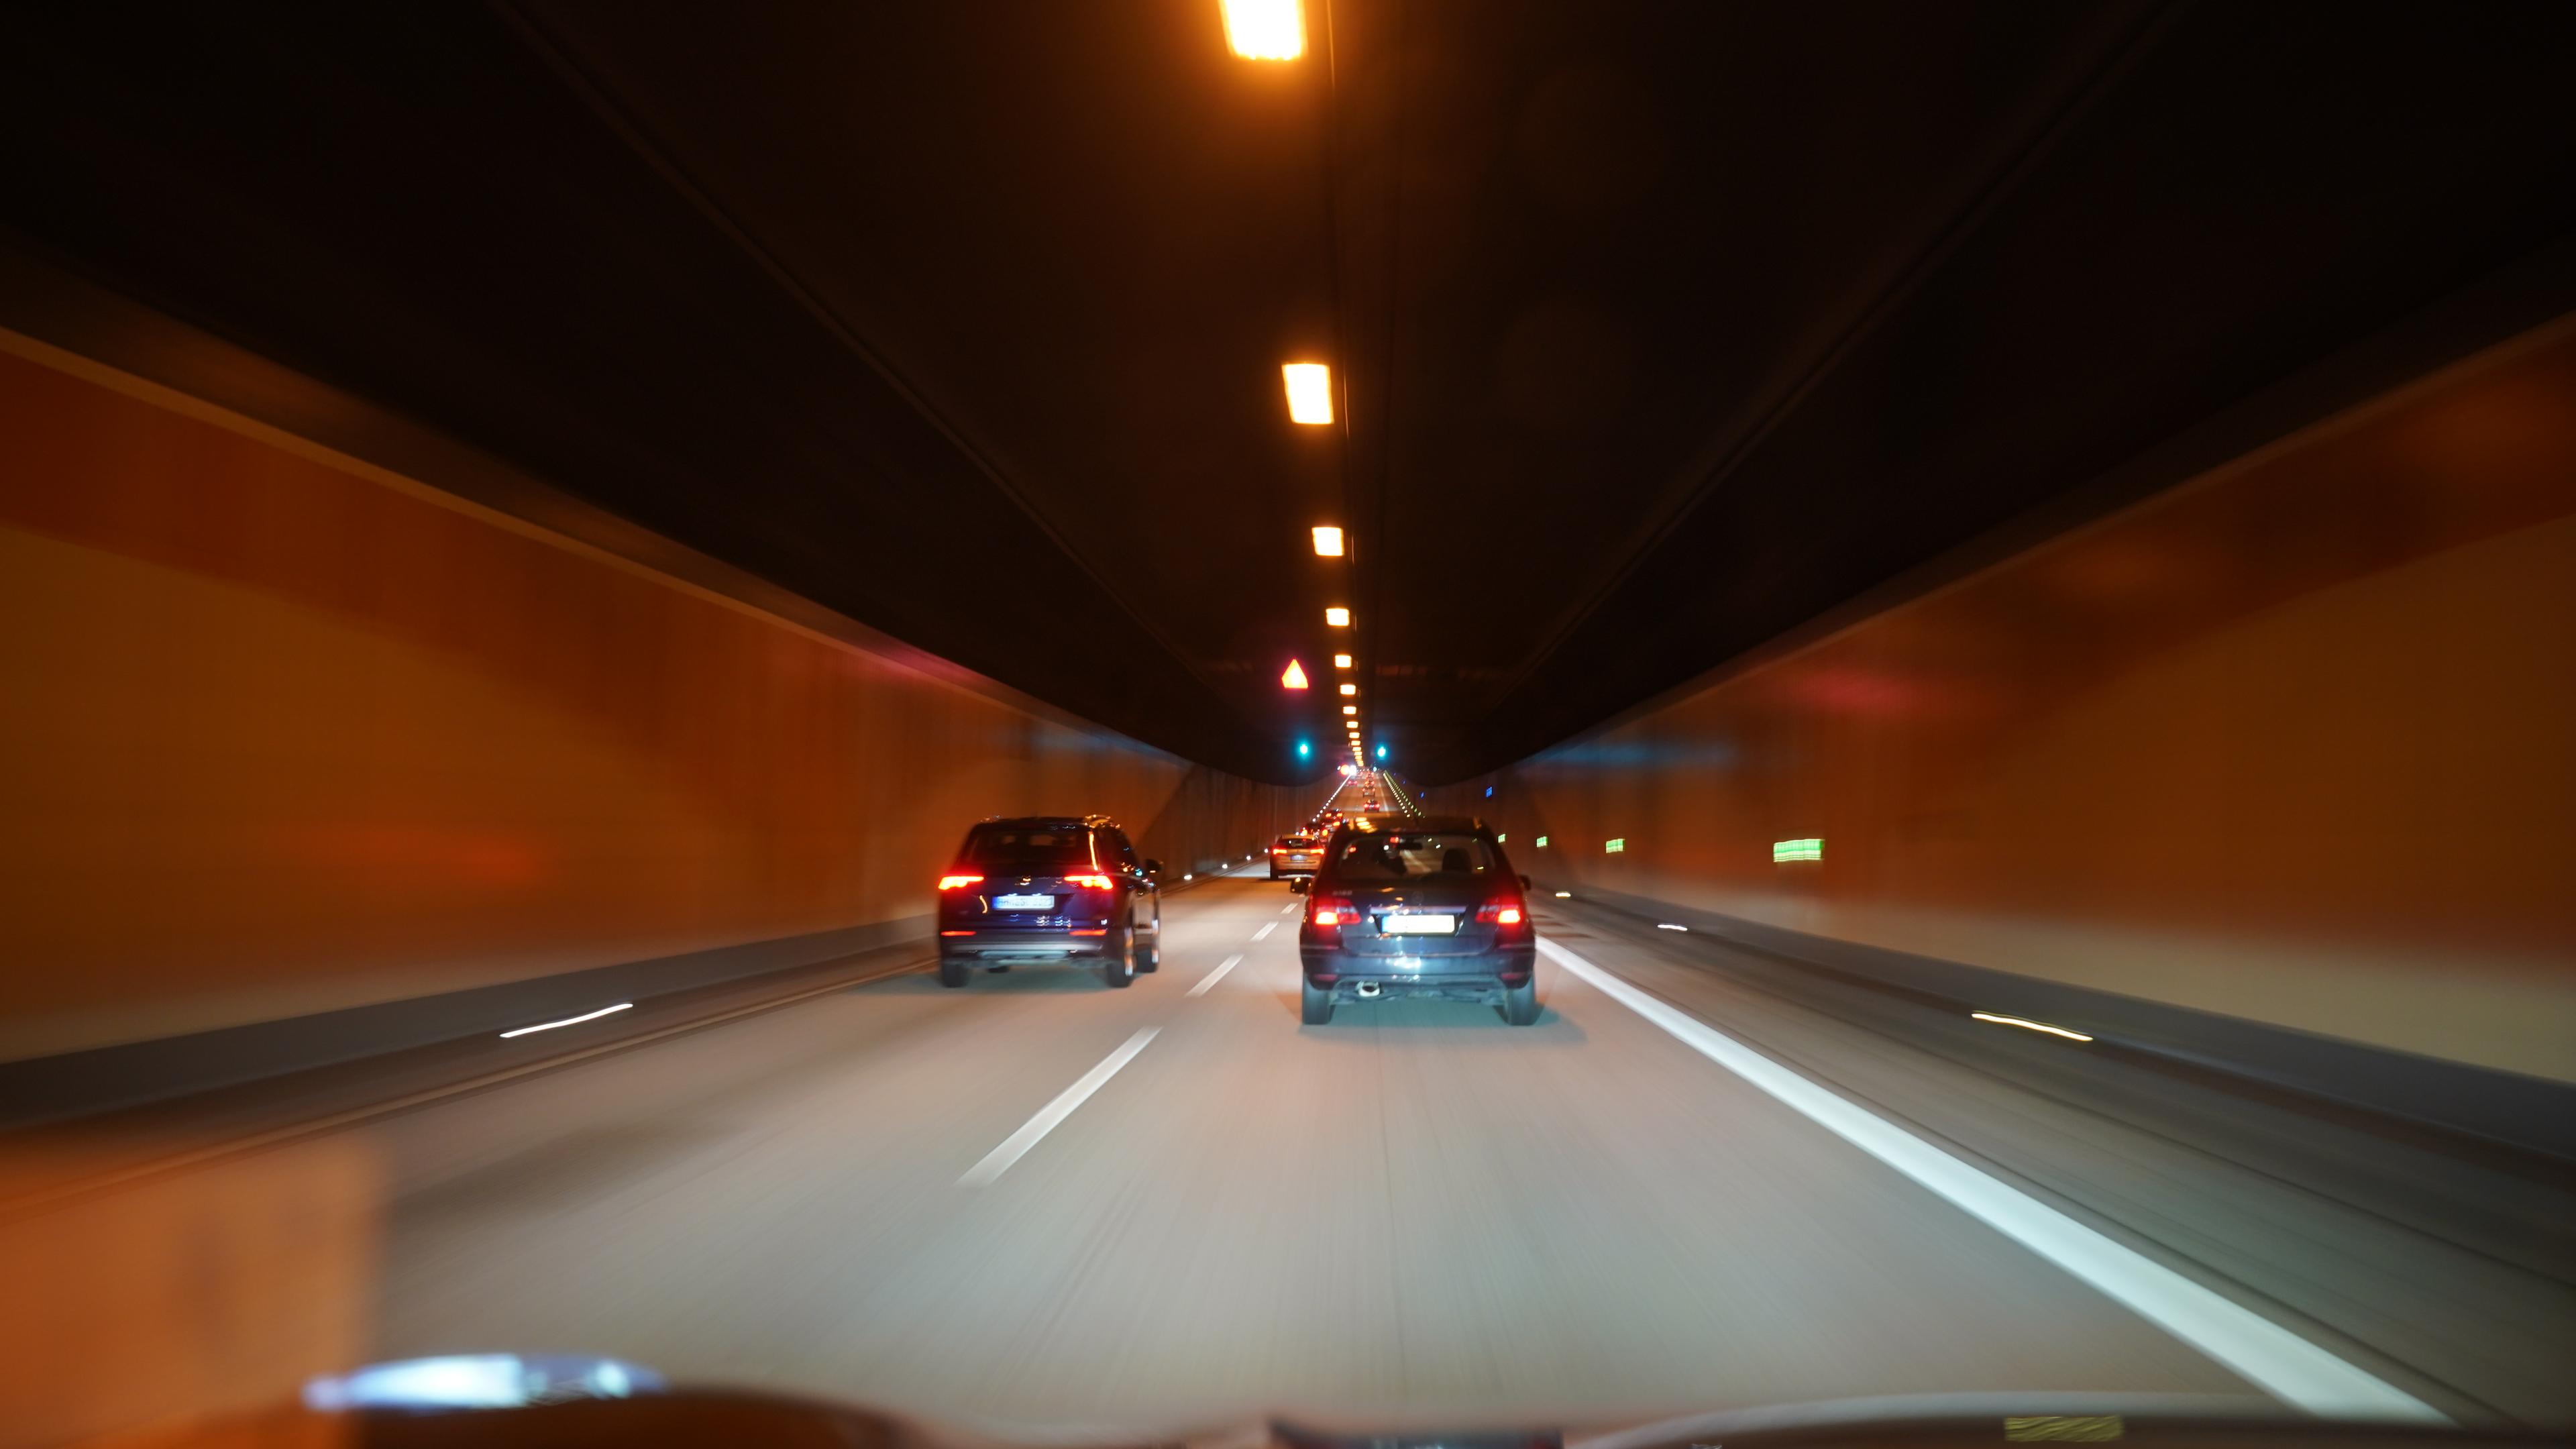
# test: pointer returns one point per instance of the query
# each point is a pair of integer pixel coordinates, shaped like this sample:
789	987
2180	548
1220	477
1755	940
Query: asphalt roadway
1416	1215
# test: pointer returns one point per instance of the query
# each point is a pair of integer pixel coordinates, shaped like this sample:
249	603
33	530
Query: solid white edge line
2288	1367
1266	928
571	1020
1033	1131
1210	979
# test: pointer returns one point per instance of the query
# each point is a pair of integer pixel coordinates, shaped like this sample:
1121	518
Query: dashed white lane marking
1288	908
999	1160
1266	928
1210	979
2287	1366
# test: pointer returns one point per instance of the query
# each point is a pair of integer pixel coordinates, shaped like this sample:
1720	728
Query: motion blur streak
572	1020
2030	1025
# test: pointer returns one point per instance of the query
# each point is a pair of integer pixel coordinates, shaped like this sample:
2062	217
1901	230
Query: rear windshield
1022	845
1297	841
1404	854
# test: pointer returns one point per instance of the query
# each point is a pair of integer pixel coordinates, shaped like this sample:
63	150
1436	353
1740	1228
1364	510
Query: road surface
1039	1203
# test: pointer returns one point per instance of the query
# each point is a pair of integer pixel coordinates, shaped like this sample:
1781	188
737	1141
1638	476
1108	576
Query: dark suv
1417	907
1053	890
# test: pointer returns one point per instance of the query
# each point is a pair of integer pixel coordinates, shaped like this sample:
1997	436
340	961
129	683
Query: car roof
1049	822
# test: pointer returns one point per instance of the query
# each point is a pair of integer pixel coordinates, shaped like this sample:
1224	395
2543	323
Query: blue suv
1050	890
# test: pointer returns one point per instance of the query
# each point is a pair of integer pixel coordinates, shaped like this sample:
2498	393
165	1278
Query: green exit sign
1541	842
1613	847
1811	848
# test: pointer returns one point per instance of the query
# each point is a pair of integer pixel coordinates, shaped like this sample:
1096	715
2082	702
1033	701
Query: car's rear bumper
1032	946
1477	976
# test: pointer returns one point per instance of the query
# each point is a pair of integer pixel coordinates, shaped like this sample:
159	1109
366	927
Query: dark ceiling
1663	328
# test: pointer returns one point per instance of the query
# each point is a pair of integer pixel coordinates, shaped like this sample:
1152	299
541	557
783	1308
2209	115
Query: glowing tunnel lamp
1338	617
1350	709
1341	661
1265	29
1350	689
1328	541
1310	392
1788	850
1294	676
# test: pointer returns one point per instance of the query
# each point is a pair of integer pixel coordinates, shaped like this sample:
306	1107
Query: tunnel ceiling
1664	328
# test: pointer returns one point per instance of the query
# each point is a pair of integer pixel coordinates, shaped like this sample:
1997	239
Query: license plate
1419	925
1023	903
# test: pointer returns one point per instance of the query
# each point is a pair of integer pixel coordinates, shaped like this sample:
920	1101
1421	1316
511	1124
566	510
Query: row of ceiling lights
1275	30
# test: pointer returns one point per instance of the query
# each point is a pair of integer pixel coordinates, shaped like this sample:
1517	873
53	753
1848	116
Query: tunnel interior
2014	565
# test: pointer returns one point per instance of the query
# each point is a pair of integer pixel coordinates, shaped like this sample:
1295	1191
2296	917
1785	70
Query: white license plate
1023	903
1419	925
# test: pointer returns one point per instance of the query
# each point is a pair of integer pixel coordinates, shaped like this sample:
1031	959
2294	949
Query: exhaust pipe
1368	990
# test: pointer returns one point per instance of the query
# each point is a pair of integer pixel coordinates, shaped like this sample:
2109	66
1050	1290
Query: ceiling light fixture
1265	29
1350	709
1341	661
1338	617
1328	541
1350	689
1310	392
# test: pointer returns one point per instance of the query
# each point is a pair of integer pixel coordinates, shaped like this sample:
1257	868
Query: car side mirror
1299	884
1525	885
1153	868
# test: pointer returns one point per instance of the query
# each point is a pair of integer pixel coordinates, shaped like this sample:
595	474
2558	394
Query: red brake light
953	882
1331	912
1096	882
1506	912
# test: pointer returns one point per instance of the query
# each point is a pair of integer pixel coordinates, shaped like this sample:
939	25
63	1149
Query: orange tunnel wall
2293	742
283	733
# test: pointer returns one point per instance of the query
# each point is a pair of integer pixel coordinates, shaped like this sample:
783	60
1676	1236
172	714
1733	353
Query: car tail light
958	882
1330	913
1508	915
1094	881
